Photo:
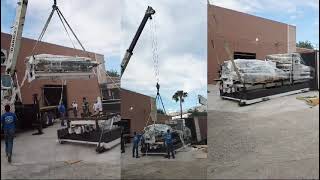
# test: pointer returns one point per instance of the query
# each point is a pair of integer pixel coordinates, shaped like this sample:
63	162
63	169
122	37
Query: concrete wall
241	31
76	89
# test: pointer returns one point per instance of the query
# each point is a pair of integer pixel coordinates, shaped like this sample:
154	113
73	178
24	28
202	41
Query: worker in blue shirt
169	144
62	111
136	140
8	122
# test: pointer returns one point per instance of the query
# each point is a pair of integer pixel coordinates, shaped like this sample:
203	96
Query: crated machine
153	137
251	80
47	66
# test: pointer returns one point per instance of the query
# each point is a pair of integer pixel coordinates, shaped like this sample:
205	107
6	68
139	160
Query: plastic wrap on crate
252	71
55	64
292	63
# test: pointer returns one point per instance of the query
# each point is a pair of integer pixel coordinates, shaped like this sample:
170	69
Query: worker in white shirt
75	108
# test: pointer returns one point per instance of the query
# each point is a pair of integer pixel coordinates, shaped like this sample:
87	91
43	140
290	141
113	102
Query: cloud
95	22
181	37
255	6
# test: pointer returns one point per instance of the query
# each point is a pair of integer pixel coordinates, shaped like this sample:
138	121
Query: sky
304	14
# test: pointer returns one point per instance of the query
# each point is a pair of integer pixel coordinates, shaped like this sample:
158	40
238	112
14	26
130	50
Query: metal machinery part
100	131
148	15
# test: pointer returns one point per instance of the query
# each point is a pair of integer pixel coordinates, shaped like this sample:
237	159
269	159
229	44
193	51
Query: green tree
179	96
113	73
305	44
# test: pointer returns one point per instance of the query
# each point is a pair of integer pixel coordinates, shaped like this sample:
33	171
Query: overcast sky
181	34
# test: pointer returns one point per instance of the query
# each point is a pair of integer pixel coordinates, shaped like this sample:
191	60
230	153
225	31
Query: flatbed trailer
247	97
99	136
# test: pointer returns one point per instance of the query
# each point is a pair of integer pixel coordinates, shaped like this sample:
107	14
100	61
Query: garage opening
52	95
244	55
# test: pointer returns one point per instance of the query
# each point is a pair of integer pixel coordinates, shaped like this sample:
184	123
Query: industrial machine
47	66
250	81
153	137
40	66
100	131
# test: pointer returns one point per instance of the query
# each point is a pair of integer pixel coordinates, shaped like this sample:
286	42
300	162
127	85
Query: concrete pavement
42	157
188	164
273	139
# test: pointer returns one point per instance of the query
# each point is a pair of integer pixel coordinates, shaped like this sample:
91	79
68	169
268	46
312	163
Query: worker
136	140
8	122
62	111
36	109
95	108
168	141
75	108
122	141
85	107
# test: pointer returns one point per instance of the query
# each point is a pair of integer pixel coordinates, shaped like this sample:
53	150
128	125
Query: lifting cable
63	21
155	58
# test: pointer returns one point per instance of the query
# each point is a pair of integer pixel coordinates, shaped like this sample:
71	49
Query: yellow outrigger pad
310	100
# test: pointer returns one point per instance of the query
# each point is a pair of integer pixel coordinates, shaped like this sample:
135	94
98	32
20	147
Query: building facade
49	91
246	36
137	108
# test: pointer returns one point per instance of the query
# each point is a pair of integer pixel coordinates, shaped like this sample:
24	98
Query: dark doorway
52	95
189	122
310	59
244	55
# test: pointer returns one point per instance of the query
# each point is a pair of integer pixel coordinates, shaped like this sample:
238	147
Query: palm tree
179	96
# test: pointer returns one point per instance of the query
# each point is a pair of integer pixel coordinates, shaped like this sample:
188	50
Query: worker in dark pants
136	140
8	121
62	111
36	109
85	107
122	142
169	144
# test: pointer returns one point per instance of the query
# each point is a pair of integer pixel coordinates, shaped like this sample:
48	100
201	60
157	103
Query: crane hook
54	6
158	87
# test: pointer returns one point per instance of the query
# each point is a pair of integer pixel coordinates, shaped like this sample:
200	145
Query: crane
9	85
148	15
